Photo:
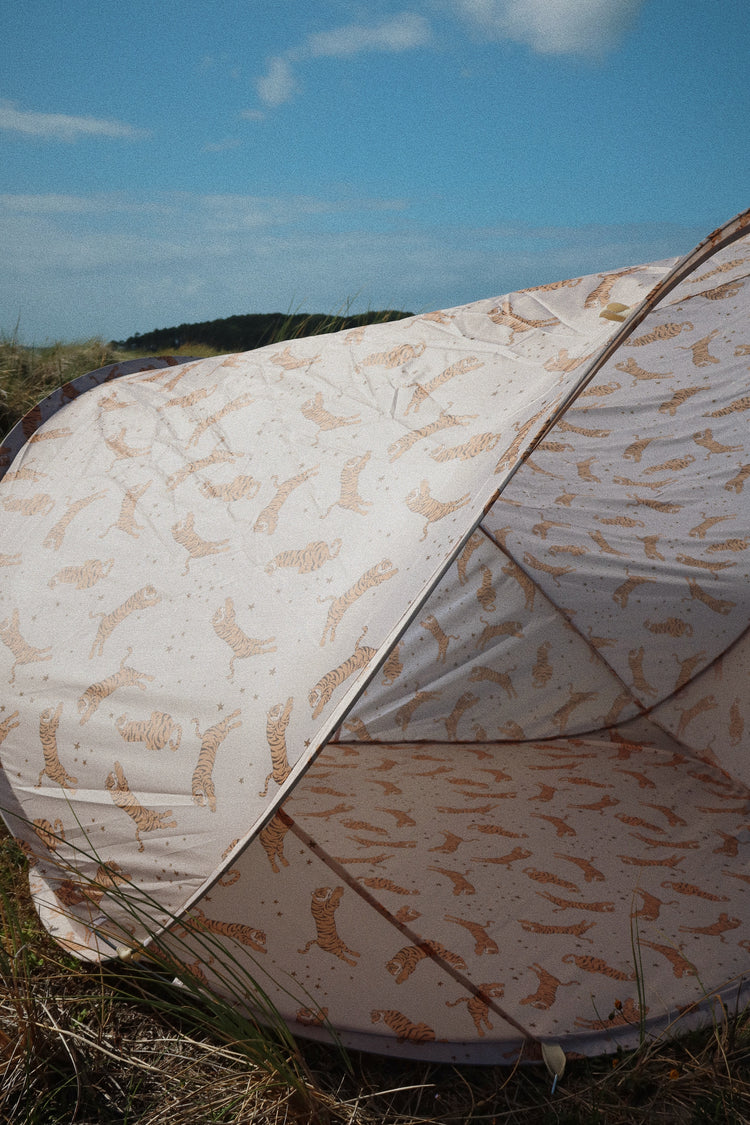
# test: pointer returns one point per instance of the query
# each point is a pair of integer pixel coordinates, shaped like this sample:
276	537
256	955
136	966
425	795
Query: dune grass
124	1045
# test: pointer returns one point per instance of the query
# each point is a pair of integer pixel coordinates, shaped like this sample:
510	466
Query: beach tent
410	663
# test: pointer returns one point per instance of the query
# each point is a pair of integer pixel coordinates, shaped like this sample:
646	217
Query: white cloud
555	27
402	32
62	126
278	85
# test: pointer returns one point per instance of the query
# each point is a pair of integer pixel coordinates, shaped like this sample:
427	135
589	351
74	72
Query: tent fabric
409	659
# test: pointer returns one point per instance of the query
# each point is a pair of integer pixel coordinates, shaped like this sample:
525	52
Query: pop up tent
409	661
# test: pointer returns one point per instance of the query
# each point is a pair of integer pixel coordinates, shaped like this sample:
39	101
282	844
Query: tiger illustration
510	456
717	605
371	578
479	674
591	964
432	625
126	520
628	1014
622	594
312	1017
242	646
142	599
7	725
156	732
478	1006
737	483
40	504
122	451
679	398
54	537
217	457
272	839
240	488
145	820
49	721
325	902
327	685
290	362
689	714
422	391
85	576
680	964
307	559
184	402
95	694
716	929
202	787
422	503
269	517
184	533
577	930
25	473
503	629
665	331
701	354
739	406
50	834
504	316
462	562
403	963
444	421
486	595
393	666
483	943
214	419
349	497
277	720
407	710
601	294
565	362
463	704
546	993
461	885
478	444
23	652
315	412
47	435
236	931
396	357
380	883
403	1028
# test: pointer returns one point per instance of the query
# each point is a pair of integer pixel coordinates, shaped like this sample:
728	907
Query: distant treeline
251	330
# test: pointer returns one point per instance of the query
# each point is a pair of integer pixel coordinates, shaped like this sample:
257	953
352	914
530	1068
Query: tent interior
409	663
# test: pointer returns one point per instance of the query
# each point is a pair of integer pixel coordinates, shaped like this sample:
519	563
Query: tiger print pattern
202	785
538	752
156	732
277	721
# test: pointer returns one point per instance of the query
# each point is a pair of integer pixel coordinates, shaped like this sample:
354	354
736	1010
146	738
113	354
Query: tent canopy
410	658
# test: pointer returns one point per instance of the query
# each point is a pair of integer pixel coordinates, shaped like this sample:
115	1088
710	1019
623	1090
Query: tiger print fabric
494	560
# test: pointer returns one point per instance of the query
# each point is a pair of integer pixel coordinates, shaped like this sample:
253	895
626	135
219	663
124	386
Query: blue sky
165	161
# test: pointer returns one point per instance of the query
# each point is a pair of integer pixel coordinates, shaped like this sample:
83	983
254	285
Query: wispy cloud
403	32
555	27
62	126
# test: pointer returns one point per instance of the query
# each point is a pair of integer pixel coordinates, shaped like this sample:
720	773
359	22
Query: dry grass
97	1045
91	1044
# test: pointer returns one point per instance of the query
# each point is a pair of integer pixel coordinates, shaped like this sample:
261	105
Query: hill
247	331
